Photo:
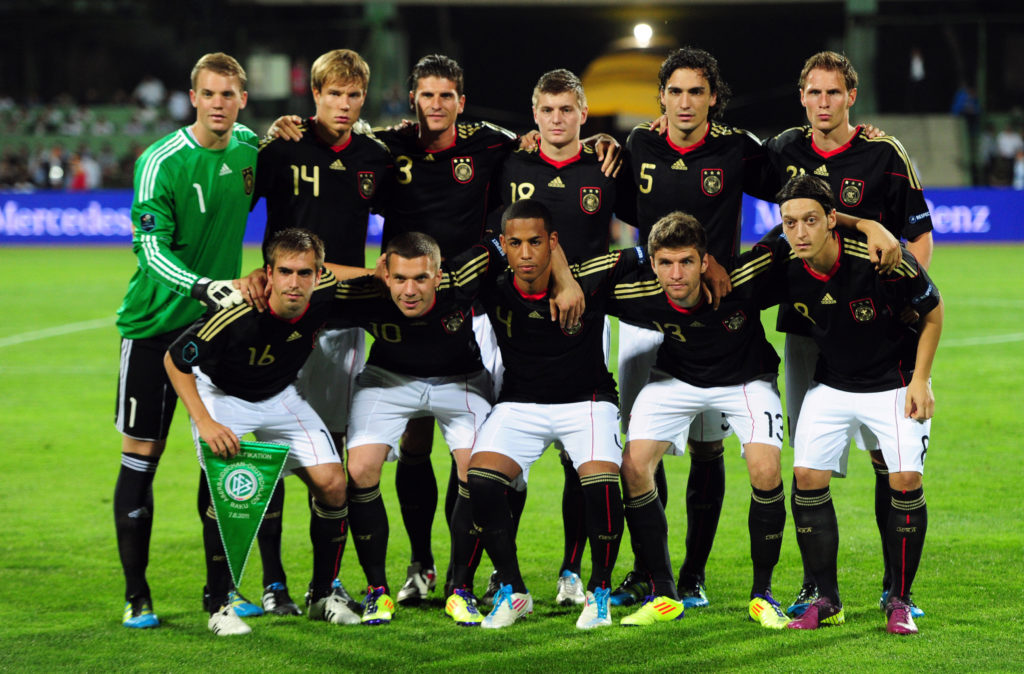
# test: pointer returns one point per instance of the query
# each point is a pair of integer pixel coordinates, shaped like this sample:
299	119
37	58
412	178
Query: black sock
817	534
452	492
604	525
466	545
488	490
416	489
516	505
574	521
269	538
218	575
766	522
882	500
908	523
328	531
661	483
369	522
705	491
133	519
649	531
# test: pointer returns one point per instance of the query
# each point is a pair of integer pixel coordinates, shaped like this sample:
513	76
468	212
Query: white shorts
327	380
284	419
490	354
588	431
638	351
384	403
667	406
831	416
801	360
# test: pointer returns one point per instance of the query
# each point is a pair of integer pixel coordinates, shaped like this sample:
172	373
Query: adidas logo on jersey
535	314
680	165
821	171
295	335
557	182
224	170
697	324
827	299
337	165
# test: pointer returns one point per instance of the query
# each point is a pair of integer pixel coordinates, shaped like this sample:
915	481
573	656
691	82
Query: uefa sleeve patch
190	353
147	222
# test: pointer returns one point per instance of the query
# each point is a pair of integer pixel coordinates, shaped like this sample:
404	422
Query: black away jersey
327	190
544	363
854	313
706	180
580	197
444	193
253	355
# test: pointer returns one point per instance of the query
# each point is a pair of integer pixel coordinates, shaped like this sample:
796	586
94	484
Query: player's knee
809	478
765	476
151	448
706	451
635	474
905	481
363	471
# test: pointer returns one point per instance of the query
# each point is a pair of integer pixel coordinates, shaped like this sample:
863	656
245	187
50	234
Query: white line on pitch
56	331
978	341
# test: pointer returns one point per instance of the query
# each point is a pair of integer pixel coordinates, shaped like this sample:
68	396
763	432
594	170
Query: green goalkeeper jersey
188	220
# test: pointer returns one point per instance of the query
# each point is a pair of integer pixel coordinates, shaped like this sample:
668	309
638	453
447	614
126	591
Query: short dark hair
436	65
527	209
807	186
677	230
832	62
410	245
294	240
559	82
692	58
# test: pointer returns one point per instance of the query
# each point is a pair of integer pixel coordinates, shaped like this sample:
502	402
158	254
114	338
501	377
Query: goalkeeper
193	189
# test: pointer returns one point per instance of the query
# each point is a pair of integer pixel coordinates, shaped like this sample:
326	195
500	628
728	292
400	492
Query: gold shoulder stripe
221	320
915	182
346	290
750	270
599	263
637	293
473	266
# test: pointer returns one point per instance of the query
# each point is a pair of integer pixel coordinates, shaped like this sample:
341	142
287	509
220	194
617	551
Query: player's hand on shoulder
222	440
716	280
871	131
884	248
609	151
920	403
660	125
254	289
217	294
567	305
530	140
286	127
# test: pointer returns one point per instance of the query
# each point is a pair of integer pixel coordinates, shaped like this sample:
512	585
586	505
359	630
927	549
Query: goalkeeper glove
216	294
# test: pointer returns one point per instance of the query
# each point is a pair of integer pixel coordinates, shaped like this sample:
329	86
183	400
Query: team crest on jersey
367	184
452	322
147	222
735	322
590	199
863	310
573	330
711	181
851	192
462	169
248	179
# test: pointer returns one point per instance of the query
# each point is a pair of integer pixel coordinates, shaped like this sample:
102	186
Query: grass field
61	585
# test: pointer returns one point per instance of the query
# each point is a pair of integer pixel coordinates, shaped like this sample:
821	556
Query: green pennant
241	488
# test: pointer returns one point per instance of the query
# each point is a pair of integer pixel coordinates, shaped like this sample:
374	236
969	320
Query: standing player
326	182
235	371
193	189
700	167
873	370
566	176
556	387
873	178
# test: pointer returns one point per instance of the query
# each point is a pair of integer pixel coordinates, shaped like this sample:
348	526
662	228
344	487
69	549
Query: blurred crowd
1001	153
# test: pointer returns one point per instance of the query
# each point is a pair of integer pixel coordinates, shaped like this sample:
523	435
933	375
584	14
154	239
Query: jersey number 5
646	179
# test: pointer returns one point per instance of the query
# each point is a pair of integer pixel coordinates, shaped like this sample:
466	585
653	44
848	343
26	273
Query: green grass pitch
61	586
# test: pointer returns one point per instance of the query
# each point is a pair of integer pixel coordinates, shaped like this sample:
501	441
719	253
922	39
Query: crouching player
556	387
235	372
873	370
712	360
424	362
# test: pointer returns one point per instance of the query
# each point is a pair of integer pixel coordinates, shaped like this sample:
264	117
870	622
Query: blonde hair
832	62
220	63
339	64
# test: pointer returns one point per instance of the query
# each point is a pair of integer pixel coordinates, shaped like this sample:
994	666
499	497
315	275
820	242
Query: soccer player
566	176
701	167
872	178
193	189
712	359
327	182
235	371
556	387
873	370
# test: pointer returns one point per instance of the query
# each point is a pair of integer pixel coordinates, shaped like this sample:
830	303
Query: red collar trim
292	321
455	138
842	148
831	272
314	125
527	296
432	305
683	310
560	164
690	148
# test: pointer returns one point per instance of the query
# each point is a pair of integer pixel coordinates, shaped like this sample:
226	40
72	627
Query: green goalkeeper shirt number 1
188	220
